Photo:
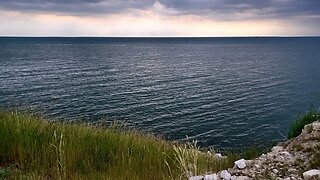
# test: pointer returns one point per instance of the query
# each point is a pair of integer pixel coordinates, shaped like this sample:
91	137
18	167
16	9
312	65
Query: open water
225	92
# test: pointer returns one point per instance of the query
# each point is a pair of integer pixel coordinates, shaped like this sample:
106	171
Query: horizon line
262	36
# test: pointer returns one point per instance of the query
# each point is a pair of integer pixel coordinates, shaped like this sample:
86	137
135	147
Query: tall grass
45	149
191	161
297	126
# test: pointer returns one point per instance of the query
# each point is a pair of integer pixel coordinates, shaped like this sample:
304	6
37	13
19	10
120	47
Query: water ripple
218	92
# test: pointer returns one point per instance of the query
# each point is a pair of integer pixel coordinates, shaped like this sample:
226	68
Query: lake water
225	92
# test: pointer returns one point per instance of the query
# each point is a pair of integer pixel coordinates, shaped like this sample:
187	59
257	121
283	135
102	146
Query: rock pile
295	159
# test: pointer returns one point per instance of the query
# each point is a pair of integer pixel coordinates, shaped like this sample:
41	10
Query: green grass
297	126
41	149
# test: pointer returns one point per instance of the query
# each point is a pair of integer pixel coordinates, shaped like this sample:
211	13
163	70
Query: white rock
196	178
241	164
307	128
311	174
225	175
241	178
211	177
218	155
316	126
275	171
276	149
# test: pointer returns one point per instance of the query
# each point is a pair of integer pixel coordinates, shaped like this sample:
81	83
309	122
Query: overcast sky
159	18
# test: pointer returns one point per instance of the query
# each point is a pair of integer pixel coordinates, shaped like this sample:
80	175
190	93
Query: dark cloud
257	8
75	7
223	9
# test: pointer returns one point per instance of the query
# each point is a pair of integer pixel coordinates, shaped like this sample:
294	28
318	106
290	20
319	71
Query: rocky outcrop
295	159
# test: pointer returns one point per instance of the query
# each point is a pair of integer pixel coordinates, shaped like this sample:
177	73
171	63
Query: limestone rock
211	177
275	171
241	178
218	155
196	178
276	149
316	126
225	175
307	128
314	173
286	161
241	164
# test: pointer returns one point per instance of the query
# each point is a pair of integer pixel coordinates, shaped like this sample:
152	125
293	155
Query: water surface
226	92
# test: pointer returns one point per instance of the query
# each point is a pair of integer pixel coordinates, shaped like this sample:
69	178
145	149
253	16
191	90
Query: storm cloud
160	17
223	9
75	7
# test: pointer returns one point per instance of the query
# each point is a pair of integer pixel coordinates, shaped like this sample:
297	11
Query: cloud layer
301	15
229	8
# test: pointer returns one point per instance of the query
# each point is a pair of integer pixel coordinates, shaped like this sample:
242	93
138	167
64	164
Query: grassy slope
44	149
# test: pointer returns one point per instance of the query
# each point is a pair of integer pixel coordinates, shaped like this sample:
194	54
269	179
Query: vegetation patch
44	149
297	126
5	172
